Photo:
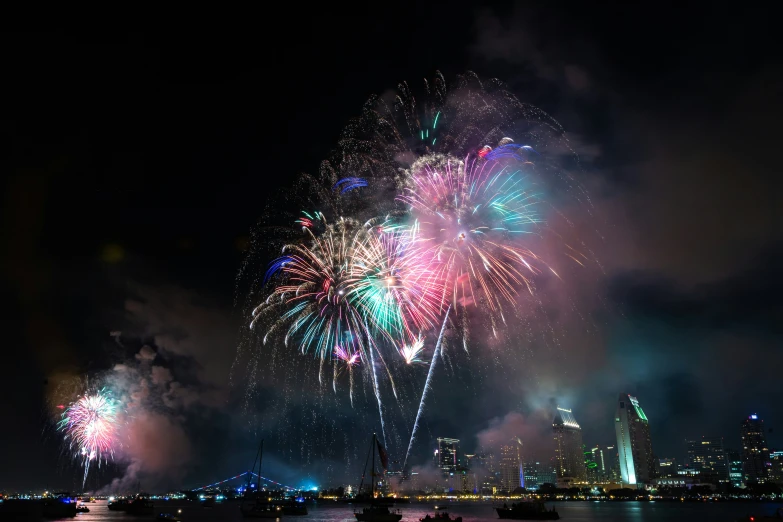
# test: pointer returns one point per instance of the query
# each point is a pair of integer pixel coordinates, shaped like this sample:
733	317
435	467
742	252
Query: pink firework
346	356
90	424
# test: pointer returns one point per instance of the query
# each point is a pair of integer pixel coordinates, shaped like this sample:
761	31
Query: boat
82	509
117	504
140	506
440	517
261	508
293	508
378	510
169	517
532	510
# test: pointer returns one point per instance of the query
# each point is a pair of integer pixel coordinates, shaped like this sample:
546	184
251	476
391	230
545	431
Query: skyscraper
637	465
708	456
755	453
446	455
569	455
736	476
511	473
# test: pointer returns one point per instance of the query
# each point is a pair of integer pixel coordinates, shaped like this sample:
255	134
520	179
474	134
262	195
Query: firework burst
90	425
473	216
313	294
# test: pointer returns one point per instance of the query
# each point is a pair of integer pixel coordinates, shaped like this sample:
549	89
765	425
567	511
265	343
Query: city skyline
706	460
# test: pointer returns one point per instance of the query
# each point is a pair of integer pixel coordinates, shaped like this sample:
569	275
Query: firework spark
349	358
90	424
411	352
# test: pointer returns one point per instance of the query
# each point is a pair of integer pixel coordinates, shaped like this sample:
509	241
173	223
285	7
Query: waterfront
570	511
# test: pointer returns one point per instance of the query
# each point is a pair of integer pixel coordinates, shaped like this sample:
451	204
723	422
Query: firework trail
435	355
90	424
377	395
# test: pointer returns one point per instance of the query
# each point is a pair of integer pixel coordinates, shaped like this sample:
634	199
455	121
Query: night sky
137	166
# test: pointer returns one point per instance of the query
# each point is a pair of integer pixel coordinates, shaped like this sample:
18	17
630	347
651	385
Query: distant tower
634	446
511	473
755	453
569	455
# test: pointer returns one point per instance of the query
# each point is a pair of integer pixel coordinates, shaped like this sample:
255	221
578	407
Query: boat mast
260	460
372	470
364	469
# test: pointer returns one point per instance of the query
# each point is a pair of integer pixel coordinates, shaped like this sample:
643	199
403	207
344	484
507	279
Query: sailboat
376	512
260	509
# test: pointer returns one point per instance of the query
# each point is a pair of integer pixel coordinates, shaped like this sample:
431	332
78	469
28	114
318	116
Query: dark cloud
748	299
533	432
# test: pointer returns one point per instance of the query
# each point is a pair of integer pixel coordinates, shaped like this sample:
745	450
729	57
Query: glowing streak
350	184
435	123
377	395
435	356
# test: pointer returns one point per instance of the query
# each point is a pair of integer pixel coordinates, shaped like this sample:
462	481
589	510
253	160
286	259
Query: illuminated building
776	470
446	455
637	465
536	474
736	476
597	473
569	455
667	468
511	472
755	453
708	457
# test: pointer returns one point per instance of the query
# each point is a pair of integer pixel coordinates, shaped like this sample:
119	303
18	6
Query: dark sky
136	166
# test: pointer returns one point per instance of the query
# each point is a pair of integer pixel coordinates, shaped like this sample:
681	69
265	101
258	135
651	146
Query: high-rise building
569	455
637	464
776	469
446	455
736	476
755	453
597	473
612	464
707	456
511	472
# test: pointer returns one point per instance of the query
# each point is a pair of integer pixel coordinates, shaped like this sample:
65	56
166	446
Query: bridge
256	475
